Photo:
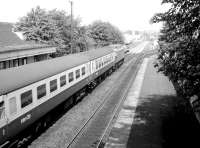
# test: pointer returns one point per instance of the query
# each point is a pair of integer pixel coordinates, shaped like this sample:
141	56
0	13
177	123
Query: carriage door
3	121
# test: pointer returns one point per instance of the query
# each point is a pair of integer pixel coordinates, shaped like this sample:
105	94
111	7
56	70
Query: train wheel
46	122
82	93
99	80
74	99
38	128
89	88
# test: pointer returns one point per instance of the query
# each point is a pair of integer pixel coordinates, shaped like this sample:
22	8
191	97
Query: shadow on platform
164	122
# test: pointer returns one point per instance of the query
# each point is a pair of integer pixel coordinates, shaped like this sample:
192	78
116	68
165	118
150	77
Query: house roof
21	47
9	41
7	37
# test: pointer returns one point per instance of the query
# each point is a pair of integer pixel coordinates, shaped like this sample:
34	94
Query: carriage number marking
27	117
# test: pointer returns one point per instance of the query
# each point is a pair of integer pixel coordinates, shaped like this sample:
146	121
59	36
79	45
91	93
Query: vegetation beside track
179	52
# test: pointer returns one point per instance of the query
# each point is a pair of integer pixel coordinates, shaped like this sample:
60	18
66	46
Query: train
30	92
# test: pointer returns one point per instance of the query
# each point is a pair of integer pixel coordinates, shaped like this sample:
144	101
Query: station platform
150	116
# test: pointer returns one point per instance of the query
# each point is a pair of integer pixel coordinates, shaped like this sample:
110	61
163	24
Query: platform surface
149	117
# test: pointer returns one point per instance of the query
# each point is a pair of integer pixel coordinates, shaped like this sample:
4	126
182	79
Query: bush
179	53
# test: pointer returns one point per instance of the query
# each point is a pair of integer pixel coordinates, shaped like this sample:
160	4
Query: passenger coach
28	93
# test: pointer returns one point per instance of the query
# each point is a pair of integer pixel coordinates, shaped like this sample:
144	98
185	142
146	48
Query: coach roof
18	77
96	53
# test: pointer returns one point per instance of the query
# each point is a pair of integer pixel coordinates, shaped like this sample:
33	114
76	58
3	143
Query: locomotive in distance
28	93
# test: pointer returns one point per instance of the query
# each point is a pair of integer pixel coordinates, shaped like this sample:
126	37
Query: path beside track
157	118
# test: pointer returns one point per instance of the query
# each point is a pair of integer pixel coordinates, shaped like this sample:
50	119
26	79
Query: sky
125	14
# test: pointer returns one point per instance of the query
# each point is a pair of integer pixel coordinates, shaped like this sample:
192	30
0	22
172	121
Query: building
16	52
17	55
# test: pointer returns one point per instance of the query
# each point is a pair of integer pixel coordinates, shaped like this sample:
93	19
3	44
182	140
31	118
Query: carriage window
12	105
99	64
53	85
62	80
71	76
2	110
96	65
83	71
104	61
93	65
41	91
77	73
26	98
1	65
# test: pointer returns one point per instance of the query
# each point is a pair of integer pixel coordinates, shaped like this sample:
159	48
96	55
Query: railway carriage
28	93
101	60
120	54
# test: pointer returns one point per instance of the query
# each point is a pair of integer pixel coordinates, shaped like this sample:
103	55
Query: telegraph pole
71	27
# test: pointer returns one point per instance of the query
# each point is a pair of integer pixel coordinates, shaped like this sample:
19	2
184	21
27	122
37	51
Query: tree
54	27
36	26
179	53
104	33
51	27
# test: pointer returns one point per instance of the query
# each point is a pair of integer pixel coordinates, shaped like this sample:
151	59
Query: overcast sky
125	14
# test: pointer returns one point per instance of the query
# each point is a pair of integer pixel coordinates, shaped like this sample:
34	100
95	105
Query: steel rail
108	94
115	113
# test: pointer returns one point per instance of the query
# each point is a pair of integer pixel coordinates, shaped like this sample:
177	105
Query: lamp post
71	27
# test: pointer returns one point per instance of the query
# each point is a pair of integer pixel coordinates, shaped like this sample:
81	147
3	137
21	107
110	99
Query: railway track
30	139
131	62
100	139
98	133
25	138
108	128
